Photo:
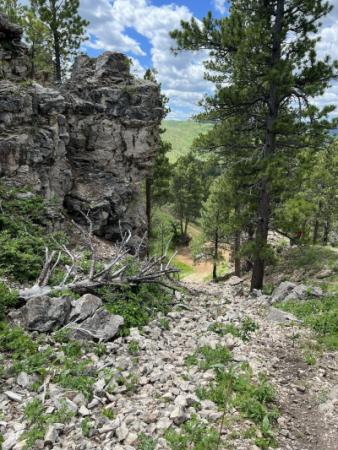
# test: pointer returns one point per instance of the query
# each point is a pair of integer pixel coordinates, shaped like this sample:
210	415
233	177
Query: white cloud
181	76
220	5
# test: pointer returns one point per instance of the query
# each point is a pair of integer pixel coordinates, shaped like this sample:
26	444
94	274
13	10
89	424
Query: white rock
51	435
23	379
122	432
178	415
84	411
163	424
13	396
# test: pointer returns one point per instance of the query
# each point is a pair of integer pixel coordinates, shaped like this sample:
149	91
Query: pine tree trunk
57	56
149	184
263	213
315	232
56	43
214	271
237	247
327	228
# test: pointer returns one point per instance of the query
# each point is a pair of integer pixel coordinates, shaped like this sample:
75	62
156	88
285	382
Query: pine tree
187	191
67	29
264	65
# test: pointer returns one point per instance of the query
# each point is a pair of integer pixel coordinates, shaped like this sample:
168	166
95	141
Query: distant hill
181	135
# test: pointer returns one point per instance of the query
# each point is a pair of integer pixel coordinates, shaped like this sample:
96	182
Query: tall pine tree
67	29
264	65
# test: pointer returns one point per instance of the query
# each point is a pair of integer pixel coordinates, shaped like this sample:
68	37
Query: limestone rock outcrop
88	144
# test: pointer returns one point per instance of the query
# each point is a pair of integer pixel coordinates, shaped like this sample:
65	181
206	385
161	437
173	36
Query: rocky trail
160	392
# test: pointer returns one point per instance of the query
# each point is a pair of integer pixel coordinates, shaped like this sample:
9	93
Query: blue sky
140	28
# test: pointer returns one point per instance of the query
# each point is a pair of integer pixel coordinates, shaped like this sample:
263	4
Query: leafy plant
318	314
195	435
207	357
137	305
145	442
8	298
134	347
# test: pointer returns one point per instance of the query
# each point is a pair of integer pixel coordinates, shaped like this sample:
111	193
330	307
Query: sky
140	28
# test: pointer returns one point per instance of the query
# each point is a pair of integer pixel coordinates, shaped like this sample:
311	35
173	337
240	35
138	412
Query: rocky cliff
86	145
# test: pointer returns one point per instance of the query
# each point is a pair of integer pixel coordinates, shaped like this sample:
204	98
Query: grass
38	419
236	387
194	434
310	259
181	135
68	367
208	358
243	331
321	315
185	269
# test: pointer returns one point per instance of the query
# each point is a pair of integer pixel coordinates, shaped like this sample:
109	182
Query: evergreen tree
216	217
187	191
264	65
36	35
66	26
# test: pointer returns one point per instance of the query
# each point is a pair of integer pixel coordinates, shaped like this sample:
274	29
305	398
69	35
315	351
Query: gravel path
158	390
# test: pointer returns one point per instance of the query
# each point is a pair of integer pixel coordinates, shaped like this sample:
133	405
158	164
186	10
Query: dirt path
202	269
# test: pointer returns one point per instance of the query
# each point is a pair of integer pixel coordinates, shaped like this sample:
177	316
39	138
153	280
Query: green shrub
137	305
194	434
23	223
8	298
318	314
243	331
208	358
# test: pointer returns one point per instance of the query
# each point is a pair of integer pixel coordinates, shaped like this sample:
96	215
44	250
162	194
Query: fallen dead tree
113	272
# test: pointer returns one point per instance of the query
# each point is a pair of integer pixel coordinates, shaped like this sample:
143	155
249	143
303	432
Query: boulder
291	291
101	326
45	314
84	307
278	316
282	291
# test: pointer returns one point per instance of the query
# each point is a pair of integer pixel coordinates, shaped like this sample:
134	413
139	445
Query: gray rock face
84	318
45	314
87	145
291	291
84	307
102	325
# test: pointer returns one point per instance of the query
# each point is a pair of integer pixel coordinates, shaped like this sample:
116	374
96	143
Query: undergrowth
236	387
137	305
243	330
320	314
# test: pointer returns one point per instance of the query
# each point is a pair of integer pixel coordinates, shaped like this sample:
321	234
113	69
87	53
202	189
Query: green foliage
208	358
109	413
137	305
145	442
253	398
39	420
67	29
181	135
164	323
195	435
86	427
318	314
23	236
163	232
77	375
243	331
134	347
188	190
8	298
